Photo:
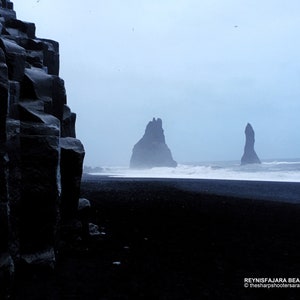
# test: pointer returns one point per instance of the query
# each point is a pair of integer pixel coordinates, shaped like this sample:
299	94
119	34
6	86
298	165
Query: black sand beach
179	240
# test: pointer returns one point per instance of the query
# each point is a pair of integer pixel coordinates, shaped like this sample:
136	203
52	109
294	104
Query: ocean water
282	170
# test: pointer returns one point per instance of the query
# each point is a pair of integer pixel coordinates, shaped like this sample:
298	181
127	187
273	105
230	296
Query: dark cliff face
40	158
151	150
249	156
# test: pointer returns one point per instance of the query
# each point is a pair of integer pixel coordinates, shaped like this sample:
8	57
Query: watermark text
272	283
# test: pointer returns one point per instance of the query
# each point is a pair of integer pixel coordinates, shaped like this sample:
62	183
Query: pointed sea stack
151	150
250	156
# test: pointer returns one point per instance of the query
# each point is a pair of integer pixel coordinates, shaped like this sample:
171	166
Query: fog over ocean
282	170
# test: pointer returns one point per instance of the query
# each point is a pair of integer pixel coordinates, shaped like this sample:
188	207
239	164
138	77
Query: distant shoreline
273	171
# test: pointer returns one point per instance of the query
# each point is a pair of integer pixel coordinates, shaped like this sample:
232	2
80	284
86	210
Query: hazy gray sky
206	67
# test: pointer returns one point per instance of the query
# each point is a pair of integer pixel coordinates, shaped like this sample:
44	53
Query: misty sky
206	67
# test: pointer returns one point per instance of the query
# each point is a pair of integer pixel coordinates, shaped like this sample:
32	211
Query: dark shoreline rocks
164	240
40	158
151	150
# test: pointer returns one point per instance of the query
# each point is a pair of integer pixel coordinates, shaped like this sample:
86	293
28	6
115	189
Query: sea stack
249	156
151	150
40	157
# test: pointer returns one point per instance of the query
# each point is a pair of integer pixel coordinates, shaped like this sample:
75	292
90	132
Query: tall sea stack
249	156
40	157
151	150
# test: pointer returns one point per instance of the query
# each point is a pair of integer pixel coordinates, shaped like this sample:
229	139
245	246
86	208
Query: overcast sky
205	67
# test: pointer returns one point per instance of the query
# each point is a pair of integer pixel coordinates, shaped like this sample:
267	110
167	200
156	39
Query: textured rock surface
72	155
151	150
40	158
249	156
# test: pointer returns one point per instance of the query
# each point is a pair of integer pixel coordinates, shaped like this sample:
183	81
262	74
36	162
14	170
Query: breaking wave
276	170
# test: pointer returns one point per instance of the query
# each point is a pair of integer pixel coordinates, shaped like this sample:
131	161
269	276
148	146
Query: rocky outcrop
151	150
249	156
40	158
72	154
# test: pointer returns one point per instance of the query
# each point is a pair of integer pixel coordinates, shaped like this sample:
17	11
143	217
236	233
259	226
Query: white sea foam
277	170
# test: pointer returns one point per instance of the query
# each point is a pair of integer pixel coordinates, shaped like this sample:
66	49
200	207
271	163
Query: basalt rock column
72	155
249	156
40	156
151	150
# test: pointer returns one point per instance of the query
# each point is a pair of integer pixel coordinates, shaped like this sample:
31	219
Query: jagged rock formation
40	157
151	150
249	156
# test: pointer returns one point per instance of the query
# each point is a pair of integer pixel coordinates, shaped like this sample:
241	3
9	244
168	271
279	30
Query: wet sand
179	240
